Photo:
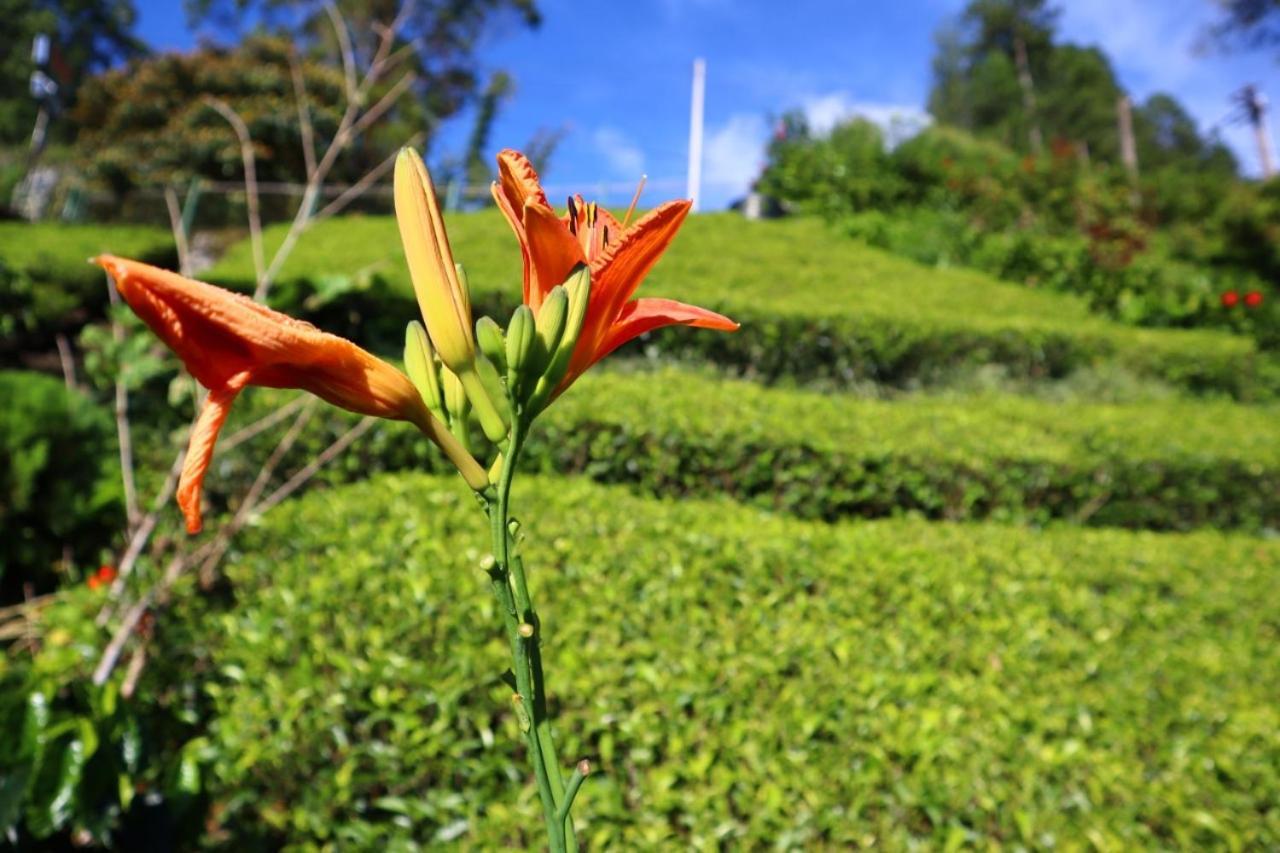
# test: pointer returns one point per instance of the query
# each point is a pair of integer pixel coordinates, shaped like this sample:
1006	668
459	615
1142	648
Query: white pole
694	188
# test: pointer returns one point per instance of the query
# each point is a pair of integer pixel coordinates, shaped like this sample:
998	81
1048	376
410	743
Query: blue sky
616	77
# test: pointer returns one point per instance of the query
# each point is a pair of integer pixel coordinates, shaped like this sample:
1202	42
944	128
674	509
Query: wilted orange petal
204	435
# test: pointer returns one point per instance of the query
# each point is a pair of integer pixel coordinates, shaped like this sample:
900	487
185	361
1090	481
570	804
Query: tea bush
743	680
1167	464
45	284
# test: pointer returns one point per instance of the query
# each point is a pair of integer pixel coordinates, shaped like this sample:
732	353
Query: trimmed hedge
45	284
813	304
744	681
1169	464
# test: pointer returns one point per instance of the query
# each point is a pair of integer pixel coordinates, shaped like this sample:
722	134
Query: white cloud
899	121
624	157
733	153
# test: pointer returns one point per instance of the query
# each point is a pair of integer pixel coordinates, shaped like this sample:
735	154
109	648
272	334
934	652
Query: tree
148	124
1251	23
1166	136
86	36
443	34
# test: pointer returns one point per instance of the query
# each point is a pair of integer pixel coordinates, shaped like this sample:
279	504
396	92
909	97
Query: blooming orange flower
228	341
619	258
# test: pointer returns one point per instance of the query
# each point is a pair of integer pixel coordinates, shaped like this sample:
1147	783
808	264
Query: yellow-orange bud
442	295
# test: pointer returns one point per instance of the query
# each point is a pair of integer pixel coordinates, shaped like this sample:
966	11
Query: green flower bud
521	332
456	406
578	289
422	367
551	320
493	387
489	338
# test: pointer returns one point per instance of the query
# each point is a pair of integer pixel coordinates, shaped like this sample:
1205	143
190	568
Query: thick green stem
512	590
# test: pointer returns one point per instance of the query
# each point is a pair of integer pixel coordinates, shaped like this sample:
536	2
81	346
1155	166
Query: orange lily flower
227	341
619	258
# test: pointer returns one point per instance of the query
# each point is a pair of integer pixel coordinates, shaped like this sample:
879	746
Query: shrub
1166	464
60	494
744	680
45	285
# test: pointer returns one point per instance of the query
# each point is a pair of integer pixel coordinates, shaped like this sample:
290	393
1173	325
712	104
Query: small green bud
492	344
495	470
551	321
521	332
578	288
422	367
456	405
493	386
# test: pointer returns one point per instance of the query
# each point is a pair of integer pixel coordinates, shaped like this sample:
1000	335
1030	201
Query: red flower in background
1253	299
1230	299
103	576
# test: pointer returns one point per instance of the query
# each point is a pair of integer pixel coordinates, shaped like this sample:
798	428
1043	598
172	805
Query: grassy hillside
747	680
813	305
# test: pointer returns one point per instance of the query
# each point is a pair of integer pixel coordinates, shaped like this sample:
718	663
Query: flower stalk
510	585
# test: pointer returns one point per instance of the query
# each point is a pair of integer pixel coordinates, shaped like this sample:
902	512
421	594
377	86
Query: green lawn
747	680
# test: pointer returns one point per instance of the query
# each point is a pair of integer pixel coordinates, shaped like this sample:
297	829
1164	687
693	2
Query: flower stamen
635	199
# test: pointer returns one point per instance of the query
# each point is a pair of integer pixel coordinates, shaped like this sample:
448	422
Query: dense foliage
1163	254
977	683
60	503
46	286
1162	464
973	684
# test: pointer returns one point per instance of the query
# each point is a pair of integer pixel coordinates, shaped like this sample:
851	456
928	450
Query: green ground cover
745	680
1165	464
45	284
814	304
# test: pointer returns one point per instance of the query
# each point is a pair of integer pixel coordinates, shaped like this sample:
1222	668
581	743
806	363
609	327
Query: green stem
512	589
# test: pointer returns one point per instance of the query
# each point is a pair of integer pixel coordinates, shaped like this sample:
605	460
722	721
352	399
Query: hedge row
743	680
1171	464
45	284
813	304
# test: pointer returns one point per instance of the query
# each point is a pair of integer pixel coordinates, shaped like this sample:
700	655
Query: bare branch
67	360
361	186
261	425
304	115
179	231
250	185
377	110
124	432
297	480
344	45
223	540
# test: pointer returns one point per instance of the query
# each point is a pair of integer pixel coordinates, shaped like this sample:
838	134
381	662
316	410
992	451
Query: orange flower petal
645	315
552	253
228	341
200	449
618	272
519	180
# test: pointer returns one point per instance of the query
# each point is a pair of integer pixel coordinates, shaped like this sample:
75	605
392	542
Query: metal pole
694	189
